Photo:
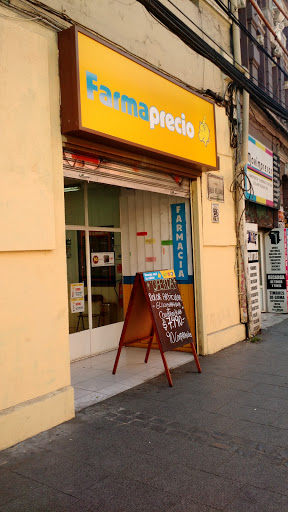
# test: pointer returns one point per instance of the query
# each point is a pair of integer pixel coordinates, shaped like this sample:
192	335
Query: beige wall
34	350
130	26
34	360
215	255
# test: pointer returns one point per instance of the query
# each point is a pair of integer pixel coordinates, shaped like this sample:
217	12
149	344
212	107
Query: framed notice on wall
215	187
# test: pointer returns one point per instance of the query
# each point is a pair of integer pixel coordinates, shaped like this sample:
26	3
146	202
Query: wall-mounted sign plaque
215	187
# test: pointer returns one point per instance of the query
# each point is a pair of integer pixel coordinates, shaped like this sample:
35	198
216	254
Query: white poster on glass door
102	259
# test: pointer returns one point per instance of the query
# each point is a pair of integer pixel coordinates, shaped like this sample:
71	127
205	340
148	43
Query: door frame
87	229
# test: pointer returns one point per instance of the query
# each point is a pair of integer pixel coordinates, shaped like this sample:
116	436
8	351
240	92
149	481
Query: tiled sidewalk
215	441
93	381
269	319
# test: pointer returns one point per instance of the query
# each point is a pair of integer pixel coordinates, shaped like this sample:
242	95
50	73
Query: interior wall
147	241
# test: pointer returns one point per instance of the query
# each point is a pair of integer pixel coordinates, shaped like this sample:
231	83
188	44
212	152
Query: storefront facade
91	205
123	210
133	224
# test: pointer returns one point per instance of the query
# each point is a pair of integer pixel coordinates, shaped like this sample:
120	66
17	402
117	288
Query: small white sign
77	305
215	212
77	290
102	259
215	187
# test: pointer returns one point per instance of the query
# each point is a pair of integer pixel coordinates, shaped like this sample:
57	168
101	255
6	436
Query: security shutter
91	169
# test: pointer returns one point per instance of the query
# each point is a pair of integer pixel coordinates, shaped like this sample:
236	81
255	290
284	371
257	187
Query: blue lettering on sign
126	105
179	241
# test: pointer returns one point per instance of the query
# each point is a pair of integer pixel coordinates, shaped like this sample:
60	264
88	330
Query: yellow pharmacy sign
124	100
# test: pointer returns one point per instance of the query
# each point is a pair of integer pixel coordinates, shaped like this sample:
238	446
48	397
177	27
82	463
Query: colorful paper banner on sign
179	241
155	276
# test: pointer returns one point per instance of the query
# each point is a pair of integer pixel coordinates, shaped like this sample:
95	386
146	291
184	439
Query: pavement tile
60	473
248	413
196	416
9	458
248	398
199	446
124	494
261	473
251	499
90	448
188	505
271	391
205	400
239	384
264	378
13	486
44	499
198	456
276	404
202	487
282	421
260	433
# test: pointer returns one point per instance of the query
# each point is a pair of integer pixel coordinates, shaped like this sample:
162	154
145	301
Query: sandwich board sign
156	307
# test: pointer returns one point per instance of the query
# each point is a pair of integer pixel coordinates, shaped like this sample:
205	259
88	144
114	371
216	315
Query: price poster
77	290
168	311
77	305
77	298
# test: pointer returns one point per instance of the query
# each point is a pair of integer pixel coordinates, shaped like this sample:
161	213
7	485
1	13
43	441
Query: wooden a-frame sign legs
150	312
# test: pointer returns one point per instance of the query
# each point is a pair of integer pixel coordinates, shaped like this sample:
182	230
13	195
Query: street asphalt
215	441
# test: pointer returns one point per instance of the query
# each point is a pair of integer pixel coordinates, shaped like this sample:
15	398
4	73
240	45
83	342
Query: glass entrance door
106	289
94	267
